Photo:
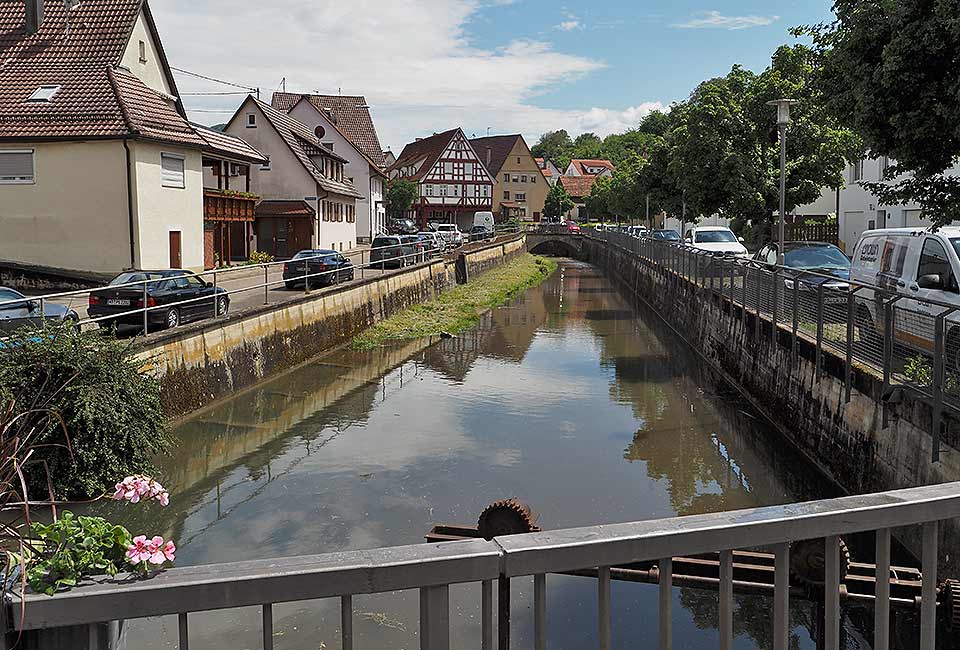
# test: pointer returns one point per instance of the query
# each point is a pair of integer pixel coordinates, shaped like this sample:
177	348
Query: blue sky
523	66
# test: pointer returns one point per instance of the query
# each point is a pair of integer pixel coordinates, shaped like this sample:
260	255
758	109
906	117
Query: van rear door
916	318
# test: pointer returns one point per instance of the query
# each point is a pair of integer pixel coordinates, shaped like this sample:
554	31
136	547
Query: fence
913	343
432	568
821	231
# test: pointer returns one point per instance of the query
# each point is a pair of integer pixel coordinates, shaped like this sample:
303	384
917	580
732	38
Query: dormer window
44	94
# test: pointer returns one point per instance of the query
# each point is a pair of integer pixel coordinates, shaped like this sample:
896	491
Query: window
16	166
884	166
523	178
518	160
143	52
251	120
506	178
516	179
428	190
856	171
328	145
43	94
934	261
506	195
172	170
520	196
533	179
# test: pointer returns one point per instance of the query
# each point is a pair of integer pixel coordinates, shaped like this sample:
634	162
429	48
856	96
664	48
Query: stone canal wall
201	363
846	440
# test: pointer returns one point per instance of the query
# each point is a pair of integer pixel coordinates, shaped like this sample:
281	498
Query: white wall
74	216
149	72
671	223
162	209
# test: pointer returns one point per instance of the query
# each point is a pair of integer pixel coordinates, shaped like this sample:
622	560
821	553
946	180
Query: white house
300	172
589	167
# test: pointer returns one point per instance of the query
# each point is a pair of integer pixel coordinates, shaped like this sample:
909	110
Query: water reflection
569	397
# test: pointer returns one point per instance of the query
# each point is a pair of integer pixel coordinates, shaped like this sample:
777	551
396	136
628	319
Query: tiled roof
97	98
580	163
349	113
500	147
578	187
272	208
378	168
225	145
303	143
544	167
426	149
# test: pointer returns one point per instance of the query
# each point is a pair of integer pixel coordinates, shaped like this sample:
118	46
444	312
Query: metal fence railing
227	283
597	551
913	343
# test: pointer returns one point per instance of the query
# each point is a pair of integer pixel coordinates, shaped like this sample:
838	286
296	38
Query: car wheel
867	330
223	304
173	318
289	286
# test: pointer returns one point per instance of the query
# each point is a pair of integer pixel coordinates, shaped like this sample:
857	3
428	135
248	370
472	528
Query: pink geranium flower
153	551
139	551
139	487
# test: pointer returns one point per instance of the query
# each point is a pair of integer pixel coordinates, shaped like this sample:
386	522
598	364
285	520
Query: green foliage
556	146
558	202
889	71
71	548
598	202
105	398
260	257
917	369
401	194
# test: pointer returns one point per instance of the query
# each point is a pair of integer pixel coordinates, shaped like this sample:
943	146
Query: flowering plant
141	488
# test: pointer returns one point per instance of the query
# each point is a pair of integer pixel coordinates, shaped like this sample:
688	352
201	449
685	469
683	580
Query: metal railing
432	568
913	343
233	281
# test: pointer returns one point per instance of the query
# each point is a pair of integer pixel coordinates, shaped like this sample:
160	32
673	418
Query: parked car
402	227
26	311
637	231
435	244
417	245
572	227
665	235
451	233
916	265
801	258
323	266
173	296
481	233
390	251
718	240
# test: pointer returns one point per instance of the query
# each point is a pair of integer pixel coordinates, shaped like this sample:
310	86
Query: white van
483	219
917	265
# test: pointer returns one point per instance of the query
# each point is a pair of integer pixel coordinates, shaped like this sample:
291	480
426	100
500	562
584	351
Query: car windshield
127	278
669	235
715	237
956	245
816	257
9	294
302	254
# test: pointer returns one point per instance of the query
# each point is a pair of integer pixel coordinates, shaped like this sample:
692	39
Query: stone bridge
555	242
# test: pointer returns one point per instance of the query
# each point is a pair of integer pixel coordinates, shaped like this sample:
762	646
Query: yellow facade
525	179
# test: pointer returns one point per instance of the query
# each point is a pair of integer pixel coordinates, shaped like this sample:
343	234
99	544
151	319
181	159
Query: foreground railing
432	568
914	343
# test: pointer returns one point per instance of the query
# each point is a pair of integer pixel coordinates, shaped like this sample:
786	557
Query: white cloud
412	59
569	25
714	19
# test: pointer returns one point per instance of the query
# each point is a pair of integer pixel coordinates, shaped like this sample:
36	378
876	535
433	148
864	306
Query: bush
260	257
107	403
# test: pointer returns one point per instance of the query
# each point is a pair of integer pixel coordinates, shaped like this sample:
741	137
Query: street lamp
783	120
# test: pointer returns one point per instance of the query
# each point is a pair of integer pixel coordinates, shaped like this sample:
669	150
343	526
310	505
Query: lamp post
783	120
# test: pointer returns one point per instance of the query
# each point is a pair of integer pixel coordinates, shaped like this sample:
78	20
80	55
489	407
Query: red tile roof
578	187
226	145
544	167
97	98
277	208
580	163
349	113
426	149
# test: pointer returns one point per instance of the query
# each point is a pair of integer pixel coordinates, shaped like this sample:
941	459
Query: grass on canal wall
460	308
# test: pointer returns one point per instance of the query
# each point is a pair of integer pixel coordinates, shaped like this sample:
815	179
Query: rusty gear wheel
808	561
951	599
506	517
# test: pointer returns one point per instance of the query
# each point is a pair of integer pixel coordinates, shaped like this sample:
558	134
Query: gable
458	158
150	69
307	112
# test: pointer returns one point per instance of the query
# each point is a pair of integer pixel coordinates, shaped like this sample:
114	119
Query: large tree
599	201
556	146
400	196
891	72
558	202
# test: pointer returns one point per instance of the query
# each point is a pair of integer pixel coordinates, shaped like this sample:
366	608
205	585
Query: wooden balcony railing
225	205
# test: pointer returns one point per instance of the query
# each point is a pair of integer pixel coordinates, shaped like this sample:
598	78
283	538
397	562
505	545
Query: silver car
17	310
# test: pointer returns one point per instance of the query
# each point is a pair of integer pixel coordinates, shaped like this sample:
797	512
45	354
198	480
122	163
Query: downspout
133	257
317	213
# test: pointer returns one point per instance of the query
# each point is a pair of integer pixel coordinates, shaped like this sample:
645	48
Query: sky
507	66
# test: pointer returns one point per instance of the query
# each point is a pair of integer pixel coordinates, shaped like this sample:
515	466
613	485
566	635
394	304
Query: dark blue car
813	265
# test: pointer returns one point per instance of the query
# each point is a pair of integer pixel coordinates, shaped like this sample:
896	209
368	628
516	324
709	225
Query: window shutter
172	174
16	166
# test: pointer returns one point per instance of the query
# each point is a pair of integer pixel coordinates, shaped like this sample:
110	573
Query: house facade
99	169
299	171
343	124
453	182
549	170
589	167
578	187
519	186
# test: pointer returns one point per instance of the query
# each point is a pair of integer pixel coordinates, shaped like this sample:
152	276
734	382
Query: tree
558	202
587	145
889	71
401	194
556	146
618	147
598	202
655	123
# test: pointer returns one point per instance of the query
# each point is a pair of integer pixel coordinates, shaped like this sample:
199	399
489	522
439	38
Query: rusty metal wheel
506	517
951	601
808	561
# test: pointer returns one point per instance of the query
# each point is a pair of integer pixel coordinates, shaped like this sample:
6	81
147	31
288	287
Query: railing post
267	615
819	357
666	601
881	605
796	316
540	611
848	363
346	622
776	304
781	597
43	314
888	327
266	285
216	298
146	326
603	607
725	622
306	277
938	379
435	618
503	613
928	589
486	615
758	296
831	586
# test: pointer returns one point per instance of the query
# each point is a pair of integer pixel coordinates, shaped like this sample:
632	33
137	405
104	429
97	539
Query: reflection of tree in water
752	615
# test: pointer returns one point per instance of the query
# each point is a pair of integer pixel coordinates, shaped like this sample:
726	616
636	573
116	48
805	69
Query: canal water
570	397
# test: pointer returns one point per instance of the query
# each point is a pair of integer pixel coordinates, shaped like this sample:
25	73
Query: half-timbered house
454	184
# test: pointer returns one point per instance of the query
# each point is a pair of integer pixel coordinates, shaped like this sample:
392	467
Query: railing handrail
238	584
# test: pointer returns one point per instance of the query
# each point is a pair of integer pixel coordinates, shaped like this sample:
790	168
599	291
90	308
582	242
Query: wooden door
176	253
301	235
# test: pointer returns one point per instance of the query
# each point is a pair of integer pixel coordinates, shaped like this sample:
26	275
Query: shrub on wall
109	405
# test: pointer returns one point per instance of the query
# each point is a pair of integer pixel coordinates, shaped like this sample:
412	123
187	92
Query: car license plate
118	302
835	300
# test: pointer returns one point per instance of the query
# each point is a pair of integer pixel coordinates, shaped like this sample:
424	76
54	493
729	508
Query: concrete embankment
201	363
847	440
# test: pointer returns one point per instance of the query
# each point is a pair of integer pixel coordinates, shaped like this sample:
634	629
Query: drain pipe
133	257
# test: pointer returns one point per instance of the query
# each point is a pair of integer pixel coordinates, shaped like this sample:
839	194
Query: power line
219	81
231	92
210	110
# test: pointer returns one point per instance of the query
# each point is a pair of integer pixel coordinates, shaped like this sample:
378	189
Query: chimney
34	16
489	156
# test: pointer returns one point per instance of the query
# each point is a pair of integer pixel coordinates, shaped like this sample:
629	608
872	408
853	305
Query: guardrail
216	278
913	343
432	568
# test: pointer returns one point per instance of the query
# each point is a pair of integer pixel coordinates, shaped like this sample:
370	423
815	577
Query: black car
665	235
325	267
390	251
431	243
25	311
481	233
418	246
402	227
802	258
173	296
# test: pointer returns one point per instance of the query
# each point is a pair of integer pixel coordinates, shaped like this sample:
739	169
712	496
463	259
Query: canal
570	397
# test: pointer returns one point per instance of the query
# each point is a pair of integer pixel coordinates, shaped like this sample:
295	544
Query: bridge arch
555	247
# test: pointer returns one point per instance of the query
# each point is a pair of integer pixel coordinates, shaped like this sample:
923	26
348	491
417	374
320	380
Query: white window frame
33	171
142	47
251	123
183	161
44	94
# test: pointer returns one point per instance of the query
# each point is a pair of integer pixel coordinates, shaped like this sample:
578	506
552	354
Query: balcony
228	205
